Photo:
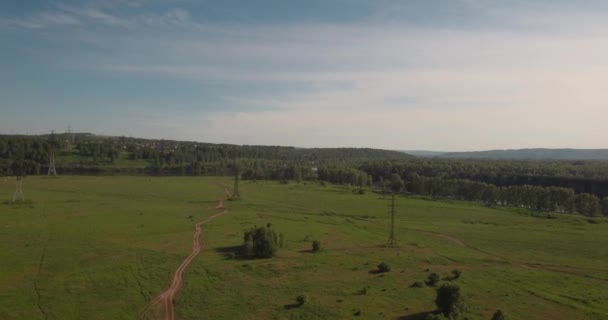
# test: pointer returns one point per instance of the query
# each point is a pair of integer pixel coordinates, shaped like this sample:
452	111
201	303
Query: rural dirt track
162	307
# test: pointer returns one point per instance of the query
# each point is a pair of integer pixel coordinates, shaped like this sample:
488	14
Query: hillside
88	153
533	154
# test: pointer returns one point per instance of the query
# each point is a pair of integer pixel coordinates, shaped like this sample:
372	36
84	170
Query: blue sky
417	74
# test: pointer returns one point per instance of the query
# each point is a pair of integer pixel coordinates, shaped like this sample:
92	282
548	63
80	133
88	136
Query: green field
102	247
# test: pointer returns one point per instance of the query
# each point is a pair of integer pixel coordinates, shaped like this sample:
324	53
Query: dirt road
162	307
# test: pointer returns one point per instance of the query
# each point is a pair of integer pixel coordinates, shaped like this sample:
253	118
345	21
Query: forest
573	186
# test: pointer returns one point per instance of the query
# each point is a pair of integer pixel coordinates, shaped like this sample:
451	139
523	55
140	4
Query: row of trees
581	176
344	175
544	199
22	155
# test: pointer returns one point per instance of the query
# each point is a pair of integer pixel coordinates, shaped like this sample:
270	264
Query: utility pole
391	237
236	194
397	185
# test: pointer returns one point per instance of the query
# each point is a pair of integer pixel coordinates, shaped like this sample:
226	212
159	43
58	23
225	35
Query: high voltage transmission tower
70	135
18	195
52	170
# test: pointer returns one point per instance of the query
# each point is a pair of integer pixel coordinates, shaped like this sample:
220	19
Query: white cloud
373	84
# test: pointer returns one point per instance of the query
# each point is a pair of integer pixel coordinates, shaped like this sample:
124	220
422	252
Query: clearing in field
106	247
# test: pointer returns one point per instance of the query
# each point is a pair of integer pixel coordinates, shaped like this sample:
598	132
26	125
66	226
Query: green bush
301	299
449	301
384	267
316	246
418	284
433	279
261	242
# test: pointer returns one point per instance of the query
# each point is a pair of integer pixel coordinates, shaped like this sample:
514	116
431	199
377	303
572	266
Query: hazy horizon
464	75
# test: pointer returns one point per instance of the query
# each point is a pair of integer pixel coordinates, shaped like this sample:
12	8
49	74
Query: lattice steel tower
18	195
52	170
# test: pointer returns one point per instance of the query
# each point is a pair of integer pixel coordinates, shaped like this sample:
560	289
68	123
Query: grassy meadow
102	247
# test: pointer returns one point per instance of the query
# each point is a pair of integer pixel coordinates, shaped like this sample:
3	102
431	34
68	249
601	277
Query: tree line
541	199
581	176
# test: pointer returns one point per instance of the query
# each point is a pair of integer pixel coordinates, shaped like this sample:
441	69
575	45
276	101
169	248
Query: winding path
162	307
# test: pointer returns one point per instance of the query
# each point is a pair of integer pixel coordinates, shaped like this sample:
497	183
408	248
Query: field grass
102	247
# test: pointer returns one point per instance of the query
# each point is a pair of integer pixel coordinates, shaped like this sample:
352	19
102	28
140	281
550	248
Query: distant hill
533	154
88	153
424	153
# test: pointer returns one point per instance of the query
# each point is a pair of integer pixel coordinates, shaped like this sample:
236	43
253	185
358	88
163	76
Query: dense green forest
90	154
544	186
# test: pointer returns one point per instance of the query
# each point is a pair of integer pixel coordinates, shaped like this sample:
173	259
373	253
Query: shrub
384	267
456	274
262	242
418	284
316	246
433	279
301	299
498	315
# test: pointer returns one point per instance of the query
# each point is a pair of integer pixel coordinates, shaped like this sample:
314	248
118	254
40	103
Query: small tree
449	302
316	246
433	279
262	242
397	183
384	267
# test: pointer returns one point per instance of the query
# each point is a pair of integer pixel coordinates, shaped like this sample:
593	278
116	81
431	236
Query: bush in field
433	279
316	246
449	302
384	267
261	242
301	299
418	284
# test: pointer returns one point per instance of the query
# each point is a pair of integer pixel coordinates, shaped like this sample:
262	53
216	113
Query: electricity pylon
52	170
18	195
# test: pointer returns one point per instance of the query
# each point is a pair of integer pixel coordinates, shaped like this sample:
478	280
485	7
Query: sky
450	75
